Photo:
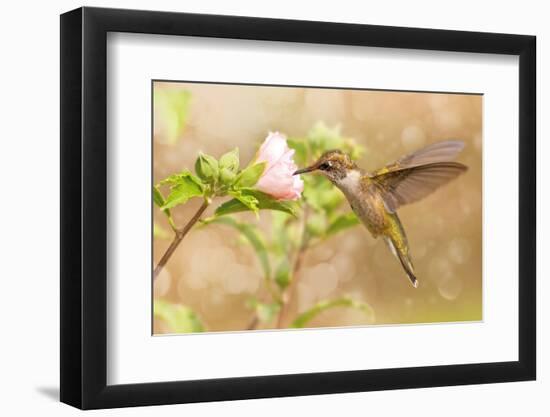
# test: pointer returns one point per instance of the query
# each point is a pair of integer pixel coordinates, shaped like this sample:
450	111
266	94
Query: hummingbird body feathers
367	203
364	199
375	197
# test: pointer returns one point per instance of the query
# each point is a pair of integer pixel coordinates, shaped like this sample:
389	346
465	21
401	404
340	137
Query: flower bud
206	168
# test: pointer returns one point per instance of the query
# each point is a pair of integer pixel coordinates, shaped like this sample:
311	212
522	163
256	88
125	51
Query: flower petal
277	179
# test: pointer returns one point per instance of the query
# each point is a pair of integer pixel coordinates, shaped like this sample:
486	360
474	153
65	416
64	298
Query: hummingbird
375	196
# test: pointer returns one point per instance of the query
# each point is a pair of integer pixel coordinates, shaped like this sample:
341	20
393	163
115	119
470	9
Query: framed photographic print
257	208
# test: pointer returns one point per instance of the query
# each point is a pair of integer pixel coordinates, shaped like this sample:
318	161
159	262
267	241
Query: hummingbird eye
325	166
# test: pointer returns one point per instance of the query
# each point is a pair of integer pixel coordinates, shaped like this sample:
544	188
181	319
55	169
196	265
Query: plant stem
271	296
291	290
180	234
253	323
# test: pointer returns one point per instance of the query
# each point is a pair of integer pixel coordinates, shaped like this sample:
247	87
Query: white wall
29	219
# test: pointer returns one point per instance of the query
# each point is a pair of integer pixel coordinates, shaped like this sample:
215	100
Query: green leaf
342	222
250	175
322	138
247	199
175	179
264	202
230	161
267	312
321	306
158	199
321	194
300	150
252	234
281	228
207	168
314	187
159	232
316	224
331	199
183	186
179	318
279	221
230	207
171	112
353	149
282	274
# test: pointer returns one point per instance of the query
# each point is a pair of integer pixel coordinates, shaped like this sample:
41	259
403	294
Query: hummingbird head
335	165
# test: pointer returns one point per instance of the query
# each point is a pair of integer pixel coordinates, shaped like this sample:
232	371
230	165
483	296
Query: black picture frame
84	207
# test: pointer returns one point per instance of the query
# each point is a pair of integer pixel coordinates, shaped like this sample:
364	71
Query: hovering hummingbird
375	196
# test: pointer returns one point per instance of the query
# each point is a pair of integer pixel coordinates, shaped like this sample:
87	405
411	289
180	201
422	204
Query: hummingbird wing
418	174
402	186
443	151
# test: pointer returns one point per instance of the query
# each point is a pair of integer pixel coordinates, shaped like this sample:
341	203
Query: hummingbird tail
405	260
407	266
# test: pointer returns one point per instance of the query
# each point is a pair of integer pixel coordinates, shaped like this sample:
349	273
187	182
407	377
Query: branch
291	290
180	234
253	323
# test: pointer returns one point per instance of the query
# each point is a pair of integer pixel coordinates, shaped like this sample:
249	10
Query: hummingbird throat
351	182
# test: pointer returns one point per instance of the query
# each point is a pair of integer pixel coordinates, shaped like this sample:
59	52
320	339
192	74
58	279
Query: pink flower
277	179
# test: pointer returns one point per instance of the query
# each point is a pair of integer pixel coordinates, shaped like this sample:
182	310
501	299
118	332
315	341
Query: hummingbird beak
305	170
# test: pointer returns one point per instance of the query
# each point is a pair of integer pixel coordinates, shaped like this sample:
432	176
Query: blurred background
214	278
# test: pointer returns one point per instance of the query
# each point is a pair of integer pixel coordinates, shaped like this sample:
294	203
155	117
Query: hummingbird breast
365	201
